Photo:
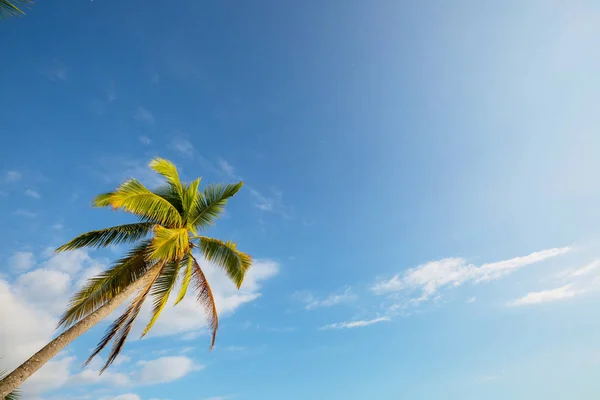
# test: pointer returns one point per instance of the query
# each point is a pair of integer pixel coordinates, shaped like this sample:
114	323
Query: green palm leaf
191	198
207	300
168	193
103	287
169	244
136	198
211	204
10	8
161	291
110	236
227	256
187	277
121	327
167	169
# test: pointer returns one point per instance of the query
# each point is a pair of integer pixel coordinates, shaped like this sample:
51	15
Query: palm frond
190	198
167	169
187	277
120	328
103	287
132	196
110	236
10	8
211	204
161	291
206	300
168	193
169	244
227	256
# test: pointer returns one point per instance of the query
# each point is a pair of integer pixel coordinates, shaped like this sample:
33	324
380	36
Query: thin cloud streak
354	324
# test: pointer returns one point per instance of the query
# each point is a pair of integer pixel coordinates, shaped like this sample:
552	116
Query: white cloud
122	359
21	261
165	369
126	396
32	304
58	226
272	203
227	168
143	115
311	302
355	324
53	375
451	272
145	140
183	146
91	376
116	169
545	296
32	193
576	282
471	299
579	272
30	328
20	212
12	176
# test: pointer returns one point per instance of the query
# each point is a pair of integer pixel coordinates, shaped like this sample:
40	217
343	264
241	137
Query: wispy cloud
154	77
579	272
182	146
576	282
272	203
545	296
452	272
354	324
311	302
166	369
111	92
217	398
143	115
57	71
227	168
24	213
115	169
22	261
145	140
32	193
12	176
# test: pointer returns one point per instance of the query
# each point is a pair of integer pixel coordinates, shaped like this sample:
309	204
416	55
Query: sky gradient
421	193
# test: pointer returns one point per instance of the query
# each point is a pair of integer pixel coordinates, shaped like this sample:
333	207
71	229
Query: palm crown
170	220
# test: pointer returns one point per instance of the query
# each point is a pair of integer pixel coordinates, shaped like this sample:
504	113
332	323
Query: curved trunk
25	370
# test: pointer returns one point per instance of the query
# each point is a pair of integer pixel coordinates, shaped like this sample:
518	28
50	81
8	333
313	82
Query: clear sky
422	193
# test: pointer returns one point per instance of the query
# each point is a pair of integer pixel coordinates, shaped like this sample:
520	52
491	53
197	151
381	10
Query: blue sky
421	192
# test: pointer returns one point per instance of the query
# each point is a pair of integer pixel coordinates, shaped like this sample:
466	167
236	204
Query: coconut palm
9	8
171	219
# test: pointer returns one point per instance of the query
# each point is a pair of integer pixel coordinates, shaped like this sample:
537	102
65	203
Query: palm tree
170	220
9	8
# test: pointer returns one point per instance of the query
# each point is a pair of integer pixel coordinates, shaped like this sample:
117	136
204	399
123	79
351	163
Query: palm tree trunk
25	370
